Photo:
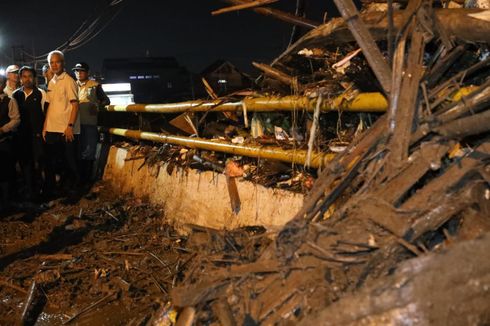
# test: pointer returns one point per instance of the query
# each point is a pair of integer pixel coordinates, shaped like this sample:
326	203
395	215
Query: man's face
13	77
81	75
27	79
56	64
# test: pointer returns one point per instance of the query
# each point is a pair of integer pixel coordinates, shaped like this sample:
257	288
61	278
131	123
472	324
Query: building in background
152	80
224	77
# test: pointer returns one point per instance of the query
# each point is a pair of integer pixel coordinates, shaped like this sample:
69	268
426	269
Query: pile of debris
416	182
394	229
318	95
108	261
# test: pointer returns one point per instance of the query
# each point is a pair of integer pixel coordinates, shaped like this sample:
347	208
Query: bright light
2	71
118	87
222	81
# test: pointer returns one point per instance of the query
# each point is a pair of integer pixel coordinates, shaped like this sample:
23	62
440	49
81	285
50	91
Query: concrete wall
200	198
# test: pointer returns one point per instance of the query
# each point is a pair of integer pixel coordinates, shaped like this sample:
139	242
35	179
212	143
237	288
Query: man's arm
69	136
72	93
14	116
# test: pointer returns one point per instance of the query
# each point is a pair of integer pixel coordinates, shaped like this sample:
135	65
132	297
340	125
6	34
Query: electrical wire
88	30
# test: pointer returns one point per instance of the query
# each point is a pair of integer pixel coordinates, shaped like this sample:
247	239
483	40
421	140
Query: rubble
115	255
394	226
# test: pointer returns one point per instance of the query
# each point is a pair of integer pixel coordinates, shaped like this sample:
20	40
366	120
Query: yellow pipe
363	102
297	156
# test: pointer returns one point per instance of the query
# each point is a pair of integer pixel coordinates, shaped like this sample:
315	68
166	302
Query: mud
108	260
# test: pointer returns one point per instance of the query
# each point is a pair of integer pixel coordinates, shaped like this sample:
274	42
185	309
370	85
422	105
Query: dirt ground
109	260
113	260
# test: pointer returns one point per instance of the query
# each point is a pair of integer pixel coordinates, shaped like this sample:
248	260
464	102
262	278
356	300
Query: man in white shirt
12	72
62	124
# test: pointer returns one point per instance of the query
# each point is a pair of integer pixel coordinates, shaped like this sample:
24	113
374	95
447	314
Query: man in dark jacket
31	101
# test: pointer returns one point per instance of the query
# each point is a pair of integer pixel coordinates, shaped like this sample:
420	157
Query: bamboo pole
276	74
281	15
249	5
363	102
297	156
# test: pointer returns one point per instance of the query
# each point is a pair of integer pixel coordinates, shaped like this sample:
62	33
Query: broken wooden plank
281	15
468	126
248	5
363	37
449	178
436	215
427	157
277	74
404	98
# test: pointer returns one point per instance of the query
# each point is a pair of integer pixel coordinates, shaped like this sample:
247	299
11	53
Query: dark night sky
181	28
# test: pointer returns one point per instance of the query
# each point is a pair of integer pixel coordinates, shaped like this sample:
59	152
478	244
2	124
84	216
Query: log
449	288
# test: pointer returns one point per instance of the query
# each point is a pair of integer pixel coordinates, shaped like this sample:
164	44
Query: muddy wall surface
200	198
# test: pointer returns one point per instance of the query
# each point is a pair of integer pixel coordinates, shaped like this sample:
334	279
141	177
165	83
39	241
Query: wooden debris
248	5
277	74
371	51
281	15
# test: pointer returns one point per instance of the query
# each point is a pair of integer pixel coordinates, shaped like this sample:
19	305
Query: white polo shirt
62	90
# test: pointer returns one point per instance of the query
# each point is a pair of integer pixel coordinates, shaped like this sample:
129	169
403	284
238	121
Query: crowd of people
48	133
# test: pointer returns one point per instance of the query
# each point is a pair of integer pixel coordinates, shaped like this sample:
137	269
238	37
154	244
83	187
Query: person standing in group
31	101
12	72
9	120
91	96
62	125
